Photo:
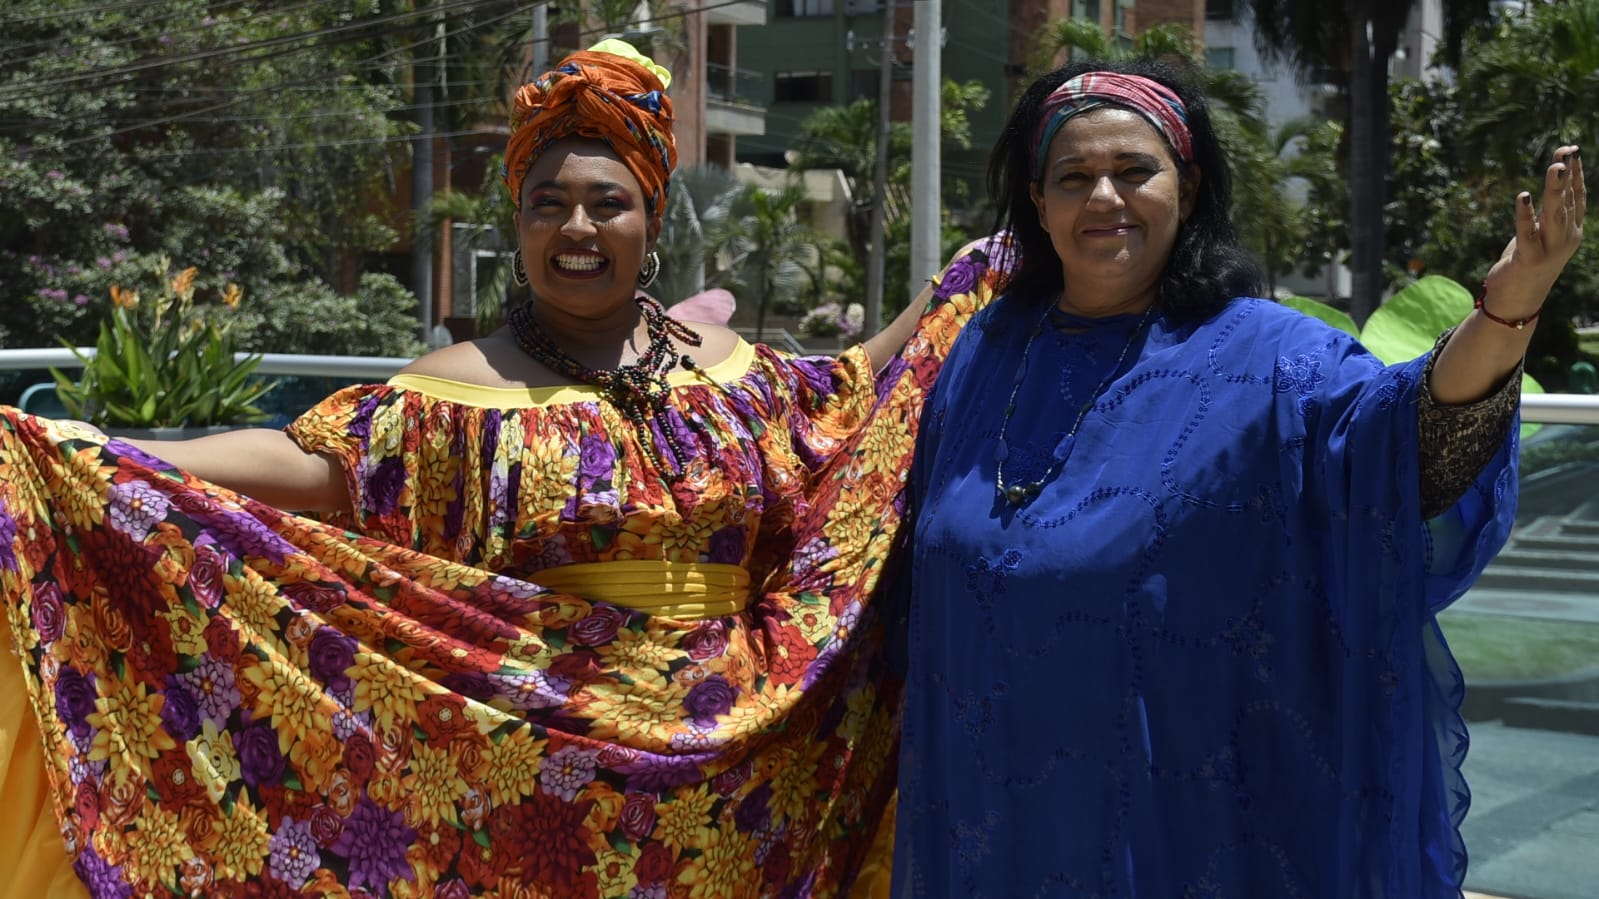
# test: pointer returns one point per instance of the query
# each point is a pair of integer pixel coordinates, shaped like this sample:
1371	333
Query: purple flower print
8	533
959	278
727	546
596	459
707	640
205	576
597	628
294	853
180	712
49	617
374	840
384	485
709	698
260	760
454	888
75	694
753	813
653	773
103	880
135	508
245	536
566	771
332	654
135	455
213	689
638	816
534	690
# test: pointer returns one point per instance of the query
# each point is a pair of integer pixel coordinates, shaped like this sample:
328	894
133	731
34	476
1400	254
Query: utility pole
927	208
422	188
875	263
541	38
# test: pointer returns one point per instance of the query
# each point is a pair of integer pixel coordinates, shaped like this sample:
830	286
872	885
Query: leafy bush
379	319
159	363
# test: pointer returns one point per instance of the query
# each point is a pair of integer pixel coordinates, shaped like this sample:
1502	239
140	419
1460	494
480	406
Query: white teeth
579	263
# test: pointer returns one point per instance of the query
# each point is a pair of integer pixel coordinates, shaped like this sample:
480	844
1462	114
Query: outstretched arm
261	463
1483	352
884	345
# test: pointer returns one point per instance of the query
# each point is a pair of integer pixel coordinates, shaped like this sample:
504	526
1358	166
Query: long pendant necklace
1019	493
639	389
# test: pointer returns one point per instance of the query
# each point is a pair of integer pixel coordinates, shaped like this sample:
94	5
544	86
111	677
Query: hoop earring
651	269
518	273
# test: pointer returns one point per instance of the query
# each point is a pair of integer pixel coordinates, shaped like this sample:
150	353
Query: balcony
735	100
748	12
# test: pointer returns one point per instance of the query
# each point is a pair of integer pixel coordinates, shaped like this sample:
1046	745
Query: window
803	87
1219	58
798	8
1219	9
863	84
1086	9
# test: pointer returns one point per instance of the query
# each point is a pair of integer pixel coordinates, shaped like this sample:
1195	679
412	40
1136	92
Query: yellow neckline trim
735	366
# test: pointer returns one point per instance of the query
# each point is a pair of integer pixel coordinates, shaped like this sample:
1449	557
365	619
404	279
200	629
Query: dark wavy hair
1207	266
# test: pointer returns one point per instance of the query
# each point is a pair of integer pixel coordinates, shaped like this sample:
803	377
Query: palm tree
705	234
1354	40
773	271
1547	60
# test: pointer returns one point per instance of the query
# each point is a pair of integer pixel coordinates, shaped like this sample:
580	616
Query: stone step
1519	556
1568	543
1534	580
1570	715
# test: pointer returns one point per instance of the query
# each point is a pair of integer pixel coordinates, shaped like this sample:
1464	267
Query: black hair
1207	267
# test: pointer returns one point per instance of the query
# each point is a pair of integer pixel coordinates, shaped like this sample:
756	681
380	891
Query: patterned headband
1154	101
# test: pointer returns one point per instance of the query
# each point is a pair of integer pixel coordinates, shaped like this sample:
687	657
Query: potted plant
161	368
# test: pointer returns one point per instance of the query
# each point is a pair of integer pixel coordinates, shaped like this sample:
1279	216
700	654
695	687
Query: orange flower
183	284
231	295
124	299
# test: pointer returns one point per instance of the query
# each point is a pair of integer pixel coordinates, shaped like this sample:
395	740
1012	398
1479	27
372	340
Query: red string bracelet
1517	324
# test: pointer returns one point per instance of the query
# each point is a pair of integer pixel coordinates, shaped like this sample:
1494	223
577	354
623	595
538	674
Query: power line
283	46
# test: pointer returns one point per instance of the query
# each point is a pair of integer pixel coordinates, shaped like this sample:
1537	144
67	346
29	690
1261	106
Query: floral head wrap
1092	90
610	93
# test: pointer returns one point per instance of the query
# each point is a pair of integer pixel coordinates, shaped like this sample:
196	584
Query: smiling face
583	229
1112	199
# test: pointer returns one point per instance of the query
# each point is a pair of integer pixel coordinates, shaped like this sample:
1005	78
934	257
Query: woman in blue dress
1178	553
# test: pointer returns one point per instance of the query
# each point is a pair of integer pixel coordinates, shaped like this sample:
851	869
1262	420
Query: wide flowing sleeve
1387	570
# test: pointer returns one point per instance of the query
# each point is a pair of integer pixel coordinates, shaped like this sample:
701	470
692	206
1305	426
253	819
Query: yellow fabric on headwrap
611	93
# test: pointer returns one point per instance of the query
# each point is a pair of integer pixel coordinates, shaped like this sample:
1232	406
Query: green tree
772	270
1352	41
705	234
242	140
1455	177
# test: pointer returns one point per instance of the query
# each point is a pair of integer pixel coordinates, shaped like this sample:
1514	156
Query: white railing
1540	408
271	363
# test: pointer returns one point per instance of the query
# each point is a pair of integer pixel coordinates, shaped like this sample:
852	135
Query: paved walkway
1533	828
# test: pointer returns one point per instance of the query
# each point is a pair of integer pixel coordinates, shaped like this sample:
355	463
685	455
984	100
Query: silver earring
649	270
518	273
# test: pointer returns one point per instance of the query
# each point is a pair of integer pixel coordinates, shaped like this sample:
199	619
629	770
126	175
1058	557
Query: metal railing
1536	408
732	85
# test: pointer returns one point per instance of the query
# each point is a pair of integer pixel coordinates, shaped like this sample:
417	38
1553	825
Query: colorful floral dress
526	665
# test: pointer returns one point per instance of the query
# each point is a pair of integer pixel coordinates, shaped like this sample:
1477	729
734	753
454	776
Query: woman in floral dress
589	612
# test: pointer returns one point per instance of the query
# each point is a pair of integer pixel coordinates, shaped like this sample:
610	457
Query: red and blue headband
1092	90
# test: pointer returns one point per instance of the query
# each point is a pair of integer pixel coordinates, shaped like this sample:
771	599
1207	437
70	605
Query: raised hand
1545	240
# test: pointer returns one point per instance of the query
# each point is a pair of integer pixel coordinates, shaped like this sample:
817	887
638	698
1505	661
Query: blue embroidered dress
1203	662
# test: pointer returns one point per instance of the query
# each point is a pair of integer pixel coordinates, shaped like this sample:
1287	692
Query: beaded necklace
639	389
1019	493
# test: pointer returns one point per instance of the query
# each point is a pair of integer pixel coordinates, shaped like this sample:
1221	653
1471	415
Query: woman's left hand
1545	240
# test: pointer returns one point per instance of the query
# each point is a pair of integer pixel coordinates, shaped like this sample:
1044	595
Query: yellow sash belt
687	591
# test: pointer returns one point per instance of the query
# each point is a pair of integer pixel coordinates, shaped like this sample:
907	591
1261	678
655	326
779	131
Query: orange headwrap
605	96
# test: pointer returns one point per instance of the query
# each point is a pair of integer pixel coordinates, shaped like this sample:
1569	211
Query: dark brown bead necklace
638	390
